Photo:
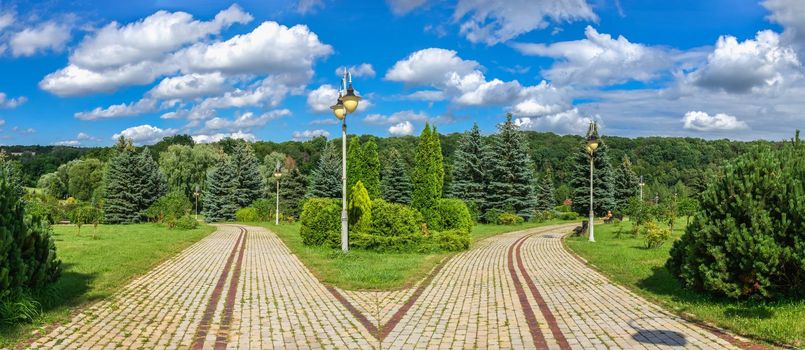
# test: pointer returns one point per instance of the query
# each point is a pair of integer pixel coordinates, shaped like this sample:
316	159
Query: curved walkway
241	288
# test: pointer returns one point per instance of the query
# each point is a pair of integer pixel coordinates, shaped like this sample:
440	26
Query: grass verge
94	268
626	261
369	270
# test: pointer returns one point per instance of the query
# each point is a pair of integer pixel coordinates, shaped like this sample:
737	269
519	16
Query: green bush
542	216
563	208
509	219
320	221
393	219
655	235
491	216
360	208
247	214
570	215
265	209
398	243
747	239
186	222
449	214
450	240
169	208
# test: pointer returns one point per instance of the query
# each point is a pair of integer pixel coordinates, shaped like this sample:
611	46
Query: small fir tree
396	184
327	175
219	198
428	175
545	194
121	205
470	180
371	168
627	185
247	173
510	179
360	208
293	188
150	183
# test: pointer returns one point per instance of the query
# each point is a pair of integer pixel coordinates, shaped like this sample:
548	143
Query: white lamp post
641	188
346	104
277	175
196	194
592	144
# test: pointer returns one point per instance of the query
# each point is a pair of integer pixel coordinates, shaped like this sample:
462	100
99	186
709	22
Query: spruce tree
510	178
603	182
396	184
627	185
469	170
545	193
428	174
327	175
150	183
220	196
121	205
247	173
293	188
371	168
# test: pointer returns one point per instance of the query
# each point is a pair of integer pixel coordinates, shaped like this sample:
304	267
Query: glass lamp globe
339	110
350	101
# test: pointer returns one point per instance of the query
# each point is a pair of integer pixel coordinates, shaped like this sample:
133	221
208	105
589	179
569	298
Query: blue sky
81	72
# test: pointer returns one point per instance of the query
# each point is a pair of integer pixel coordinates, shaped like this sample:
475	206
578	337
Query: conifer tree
293	188
428	175
371	168
626	184
396	184
247	173
469	170
121	206
219	198
355	165
149	180
510	180
603	182
545	193
327	175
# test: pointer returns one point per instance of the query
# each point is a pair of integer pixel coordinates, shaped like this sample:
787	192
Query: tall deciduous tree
220	197
247	173
603	182
510	185
396	184
545	194
627	185
327	175
428	174
469	170
185	167
84	177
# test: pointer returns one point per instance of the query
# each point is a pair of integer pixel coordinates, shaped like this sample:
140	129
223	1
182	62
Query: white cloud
361	70
401	7
189	86
701	121
789	13
426	95
245	121
402	129
74	80
757	64
309	6
395	118
320	99
567	122
599	60
84	136
145	134
2	122
67	143
46	36
492	22
309	134
6	102
6	20
431	66
239	135
145	105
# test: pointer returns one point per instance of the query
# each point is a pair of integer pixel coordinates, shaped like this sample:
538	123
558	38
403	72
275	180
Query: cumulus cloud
67	143
245	121
145	105
15	102
145	134
189	86
789	14
45	36
492	22
754	64
426	95
701	121
320	99
361	70
395	118
599	60
567	122
402	129
210	138
309	134
431	66
6	20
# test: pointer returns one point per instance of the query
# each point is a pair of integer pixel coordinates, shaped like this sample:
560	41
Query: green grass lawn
369	270
626	261
94	268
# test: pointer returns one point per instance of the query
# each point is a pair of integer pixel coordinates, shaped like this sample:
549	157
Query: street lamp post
641	188
196	194
592	144
277	175
346	104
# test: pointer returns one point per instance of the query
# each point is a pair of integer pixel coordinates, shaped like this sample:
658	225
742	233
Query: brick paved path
242	288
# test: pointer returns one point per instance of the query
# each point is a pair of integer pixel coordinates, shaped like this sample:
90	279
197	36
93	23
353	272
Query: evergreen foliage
510	177
747	239
355	166
360	208
247	173
327	175
428	174
469	170
371	168
121	190
627	184
149	181
545	195
293	188
603	182
219	198
396	184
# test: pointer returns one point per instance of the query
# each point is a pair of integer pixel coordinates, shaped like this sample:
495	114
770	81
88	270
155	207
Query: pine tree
247	173
121	205
545	193
469	176
428	174
150	182
220	196
293	188
603	182
510	185
327	175
371	168
626	184
396	184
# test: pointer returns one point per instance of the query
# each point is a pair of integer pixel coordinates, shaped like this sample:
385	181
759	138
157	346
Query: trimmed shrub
320	221
392	219
542	216
491	216
565	208
450	240
186	222
360	208
655	235
169	207
400	243
449	214
747	239
570	215
265	209
247	214
509	219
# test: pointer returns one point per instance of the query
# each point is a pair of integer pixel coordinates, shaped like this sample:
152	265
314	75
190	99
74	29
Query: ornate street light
592	144
277	175
641	188
346	104
196	194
